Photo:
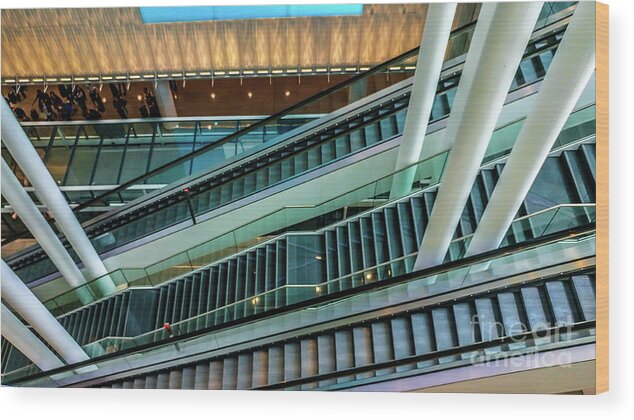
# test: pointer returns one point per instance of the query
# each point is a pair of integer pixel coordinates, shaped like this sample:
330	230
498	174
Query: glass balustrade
579	126
450	279
501	142
165	218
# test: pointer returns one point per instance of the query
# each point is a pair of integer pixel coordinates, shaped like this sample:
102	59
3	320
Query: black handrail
245	130
539	333
229	138
474	259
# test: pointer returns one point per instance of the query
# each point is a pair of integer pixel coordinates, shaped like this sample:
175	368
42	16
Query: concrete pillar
500	38
20	147
165	99
567	76
428	66
42	232
27	343
24	302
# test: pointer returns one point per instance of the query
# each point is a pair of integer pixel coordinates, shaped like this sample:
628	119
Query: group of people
50	106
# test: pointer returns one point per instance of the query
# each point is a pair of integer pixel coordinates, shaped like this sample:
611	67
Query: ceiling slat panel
53	42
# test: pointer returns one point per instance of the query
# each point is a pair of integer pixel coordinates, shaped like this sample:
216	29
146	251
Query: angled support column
567	76
42	232
24	302
428	66
27	343
17	142
500	38
166	103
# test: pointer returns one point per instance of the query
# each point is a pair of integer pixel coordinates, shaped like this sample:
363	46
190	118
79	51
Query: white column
500	38
568	74
165	99
24	153
42	232
27	343
24	302
431	55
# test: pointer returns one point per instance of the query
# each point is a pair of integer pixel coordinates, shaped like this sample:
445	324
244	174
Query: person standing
67	110
120	106
19	112
143	110
66	92
55	99
34	115
79	95
93	115
116	94
152	105
12	97
41	98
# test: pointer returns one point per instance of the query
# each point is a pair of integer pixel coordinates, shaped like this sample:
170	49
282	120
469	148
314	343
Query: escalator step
561	303
586	295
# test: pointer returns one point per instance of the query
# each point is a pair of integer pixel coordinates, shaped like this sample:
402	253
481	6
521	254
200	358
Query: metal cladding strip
27	343
16	140
428	66
35	222
498	44
567	77
24	302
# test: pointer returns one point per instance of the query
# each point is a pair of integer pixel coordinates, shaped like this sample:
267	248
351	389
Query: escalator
450	334
373	246
360	126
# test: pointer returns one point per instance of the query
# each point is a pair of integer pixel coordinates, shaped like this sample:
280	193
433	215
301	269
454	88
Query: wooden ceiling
57	42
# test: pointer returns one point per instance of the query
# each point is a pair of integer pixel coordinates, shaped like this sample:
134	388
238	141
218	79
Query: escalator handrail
245	130
471	260
437	354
